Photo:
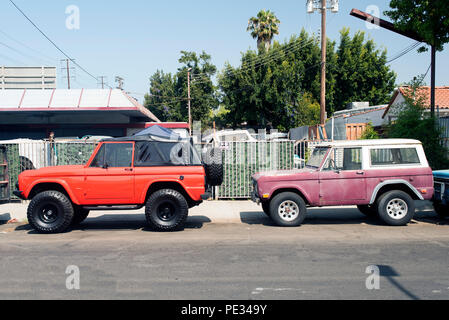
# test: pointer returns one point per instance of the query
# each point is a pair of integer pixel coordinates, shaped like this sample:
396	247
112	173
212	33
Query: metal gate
4	176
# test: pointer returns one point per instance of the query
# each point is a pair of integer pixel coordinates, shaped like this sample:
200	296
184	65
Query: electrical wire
43	57
260	61
53	43
404	52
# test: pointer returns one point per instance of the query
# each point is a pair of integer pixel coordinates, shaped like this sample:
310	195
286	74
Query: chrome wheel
397	209
288	210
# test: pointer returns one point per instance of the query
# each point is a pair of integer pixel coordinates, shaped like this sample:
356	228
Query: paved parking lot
229	250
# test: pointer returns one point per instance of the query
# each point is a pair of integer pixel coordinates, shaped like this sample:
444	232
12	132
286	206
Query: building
21	78
75	113
441	100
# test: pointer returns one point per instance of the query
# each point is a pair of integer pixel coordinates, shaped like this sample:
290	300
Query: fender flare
62	183
397	181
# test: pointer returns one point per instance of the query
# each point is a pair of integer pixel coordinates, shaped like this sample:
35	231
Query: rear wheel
368	210
288	209
50	212
396	208
166	210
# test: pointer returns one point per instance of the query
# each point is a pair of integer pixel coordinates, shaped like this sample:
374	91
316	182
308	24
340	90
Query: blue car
441	197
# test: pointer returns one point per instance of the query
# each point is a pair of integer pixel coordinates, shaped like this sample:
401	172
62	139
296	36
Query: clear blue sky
134	38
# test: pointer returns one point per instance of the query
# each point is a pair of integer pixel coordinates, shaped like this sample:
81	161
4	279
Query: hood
442	174
55	171
277	175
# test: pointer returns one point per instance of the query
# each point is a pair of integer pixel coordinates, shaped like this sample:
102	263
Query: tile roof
441	96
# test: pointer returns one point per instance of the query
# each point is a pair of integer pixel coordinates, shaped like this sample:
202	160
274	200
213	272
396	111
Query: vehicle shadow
317	216
131	222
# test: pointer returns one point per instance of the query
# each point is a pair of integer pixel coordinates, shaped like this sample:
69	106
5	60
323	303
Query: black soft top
145	138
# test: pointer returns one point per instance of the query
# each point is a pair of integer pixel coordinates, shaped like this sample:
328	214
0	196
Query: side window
98	161
344	159
394	156
119	155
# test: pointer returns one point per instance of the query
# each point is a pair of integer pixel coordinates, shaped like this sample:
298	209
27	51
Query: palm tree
263	28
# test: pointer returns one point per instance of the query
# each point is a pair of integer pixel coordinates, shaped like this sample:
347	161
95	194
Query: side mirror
105	166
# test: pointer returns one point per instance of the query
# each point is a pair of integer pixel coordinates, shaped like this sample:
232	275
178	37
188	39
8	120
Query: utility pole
120	82
321	5
409	34
101	81
68	74
188	100
323	63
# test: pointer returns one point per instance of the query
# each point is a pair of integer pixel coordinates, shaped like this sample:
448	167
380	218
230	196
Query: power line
43	57
261	60
404	52
52	42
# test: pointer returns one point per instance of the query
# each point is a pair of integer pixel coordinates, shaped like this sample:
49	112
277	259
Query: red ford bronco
382	177
166	176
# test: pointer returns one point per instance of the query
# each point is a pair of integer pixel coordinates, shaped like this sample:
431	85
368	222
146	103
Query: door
342	180
110	177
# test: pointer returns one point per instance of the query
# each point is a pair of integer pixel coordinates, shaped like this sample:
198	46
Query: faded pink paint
331	188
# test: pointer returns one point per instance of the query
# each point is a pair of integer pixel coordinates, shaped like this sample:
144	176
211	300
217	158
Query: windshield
317	157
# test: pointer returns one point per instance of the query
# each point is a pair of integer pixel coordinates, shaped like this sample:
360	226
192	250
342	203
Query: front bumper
19	194
441	194
255	193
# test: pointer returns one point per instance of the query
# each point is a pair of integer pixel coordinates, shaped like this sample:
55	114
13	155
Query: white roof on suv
362	143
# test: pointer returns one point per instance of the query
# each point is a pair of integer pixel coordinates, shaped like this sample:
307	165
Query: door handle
360	172
129	170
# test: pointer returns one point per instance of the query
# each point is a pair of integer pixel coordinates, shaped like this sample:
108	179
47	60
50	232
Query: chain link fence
40	154
243	159
240	160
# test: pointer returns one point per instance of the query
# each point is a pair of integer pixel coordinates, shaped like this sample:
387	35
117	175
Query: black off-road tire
50	212
284	212
396	208
266	208
214	167
441	209
368	210
166	210
79	216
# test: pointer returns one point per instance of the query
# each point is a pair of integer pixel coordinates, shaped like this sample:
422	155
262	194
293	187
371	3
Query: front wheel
50	212
396	208
288	209
266	208
166	210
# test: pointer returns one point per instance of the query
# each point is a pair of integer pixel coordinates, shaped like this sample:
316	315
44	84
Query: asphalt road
326	258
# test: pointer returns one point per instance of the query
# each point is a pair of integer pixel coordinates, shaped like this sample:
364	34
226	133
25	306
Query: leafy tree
168	93
263	28
162	99
427	18
414	123
361	72
202	90
271	86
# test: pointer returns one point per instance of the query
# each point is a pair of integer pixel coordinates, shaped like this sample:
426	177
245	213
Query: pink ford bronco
382	177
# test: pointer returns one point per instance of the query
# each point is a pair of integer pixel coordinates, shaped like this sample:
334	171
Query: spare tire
214	167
